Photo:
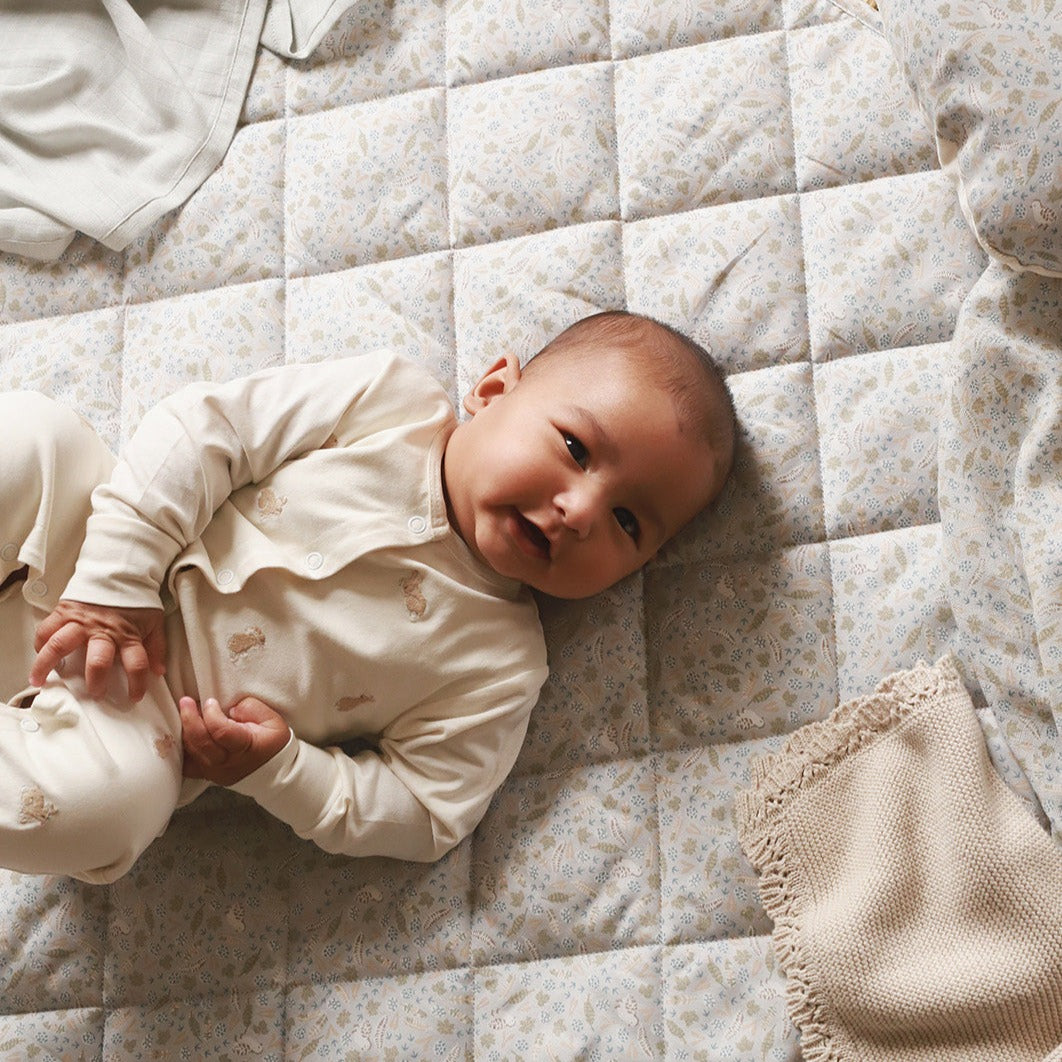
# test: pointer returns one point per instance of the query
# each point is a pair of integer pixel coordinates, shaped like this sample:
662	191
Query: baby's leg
52	461
85	785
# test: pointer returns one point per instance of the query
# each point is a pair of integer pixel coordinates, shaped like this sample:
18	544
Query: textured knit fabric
917	904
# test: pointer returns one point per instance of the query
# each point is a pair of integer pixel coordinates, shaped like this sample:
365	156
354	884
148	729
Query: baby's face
572	476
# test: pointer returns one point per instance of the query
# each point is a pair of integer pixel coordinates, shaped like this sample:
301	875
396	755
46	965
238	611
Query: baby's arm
189	454
225	746
419	792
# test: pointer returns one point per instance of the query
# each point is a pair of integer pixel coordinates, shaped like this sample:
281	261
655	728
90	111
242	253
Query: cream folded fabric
917	903
113	112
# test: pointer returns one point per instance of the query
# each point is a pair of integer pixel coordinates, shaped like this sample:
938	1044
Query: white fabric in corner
113	112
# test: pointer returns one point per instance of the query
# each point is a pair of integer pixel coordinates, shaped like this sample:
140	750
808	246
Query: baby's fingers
53	643
230	735
197	742
48	626
136	664
155	644
99	656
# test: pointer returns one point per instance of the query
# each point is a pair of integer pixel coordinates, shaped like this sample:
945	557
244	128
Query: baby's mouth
534	536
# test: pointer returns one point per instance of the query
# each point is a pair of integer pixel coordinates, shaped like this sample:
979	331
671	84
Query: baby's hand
224	747
137	635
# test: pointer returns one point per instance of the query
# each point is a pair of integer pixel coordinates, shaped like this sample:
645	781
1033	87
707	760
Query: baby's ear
502	376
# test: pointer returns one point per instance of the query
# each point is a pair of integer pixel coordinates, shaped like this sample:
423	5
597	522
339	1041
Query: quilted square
212	1029
588	1006
366	918
518	295
725	1000
741	649
543	840
774	496
338	162
640	26
90	376
593	706
199	914
497	38
428	1016
55	930
888	264
376	49
87	277
854	117
731	140
208	244
530	153
892	608
62	1033
708	890
213	335
405	305
878	415
731	277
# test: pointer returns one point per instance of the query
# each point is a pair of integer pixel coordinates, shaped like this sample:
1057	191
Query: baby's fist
225	747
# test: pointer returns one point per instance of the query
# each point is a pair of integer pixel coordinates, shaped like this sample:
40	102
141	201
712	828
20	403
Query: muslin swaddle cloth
917	903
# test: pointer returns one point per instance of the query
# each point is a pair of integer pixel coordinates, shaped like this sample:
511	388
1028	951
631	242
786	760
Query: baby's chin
558	588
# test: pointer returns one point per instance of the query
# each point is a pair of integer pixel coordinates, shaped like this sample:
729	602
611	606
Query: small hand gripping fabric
987	75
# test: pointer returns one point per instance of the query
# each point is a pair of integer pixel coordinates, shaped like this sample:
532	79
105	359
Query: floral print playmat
454	179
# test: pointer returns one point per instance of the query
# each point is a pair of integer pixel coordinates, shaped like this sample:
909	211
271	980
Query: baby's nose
578	507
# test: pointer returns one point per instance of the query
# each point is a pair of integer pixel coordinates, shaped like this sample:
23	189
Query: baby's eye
576	449
629	522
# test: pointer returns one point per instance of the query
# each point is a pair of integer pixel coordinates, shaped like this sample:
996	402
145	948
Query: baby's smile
530	537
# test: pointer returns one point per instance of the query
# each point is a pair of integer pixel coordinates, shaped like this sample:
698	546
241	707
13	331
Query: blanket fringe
777	777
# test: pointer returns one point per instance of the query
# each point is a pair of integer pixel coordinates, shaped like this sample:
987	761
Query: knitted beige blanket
917	904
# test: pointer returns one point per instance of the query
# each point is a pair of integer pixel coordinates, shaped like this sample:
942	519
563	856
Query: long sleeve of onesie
188	455
306	477
404	799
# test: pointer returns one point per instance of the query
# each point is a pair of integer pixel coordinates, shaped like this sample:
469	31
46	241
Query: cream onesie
293	525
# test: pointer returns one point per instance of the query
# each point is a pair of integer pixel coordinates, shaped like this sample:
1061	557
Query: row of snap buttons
417	524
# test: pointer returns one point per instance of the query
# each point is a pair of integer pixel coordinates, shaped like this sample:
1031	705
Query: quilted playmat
453	180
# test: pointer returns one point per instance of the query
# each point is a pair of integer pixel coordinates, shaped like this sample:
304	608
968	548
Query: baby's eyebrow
600	437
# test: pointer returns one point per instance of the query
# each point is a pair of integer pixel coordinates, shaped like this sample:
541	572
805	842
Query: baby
324	551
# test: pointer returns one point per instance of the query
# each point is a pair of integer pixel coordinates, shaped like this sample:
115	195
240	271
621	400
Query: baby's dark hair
686	370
